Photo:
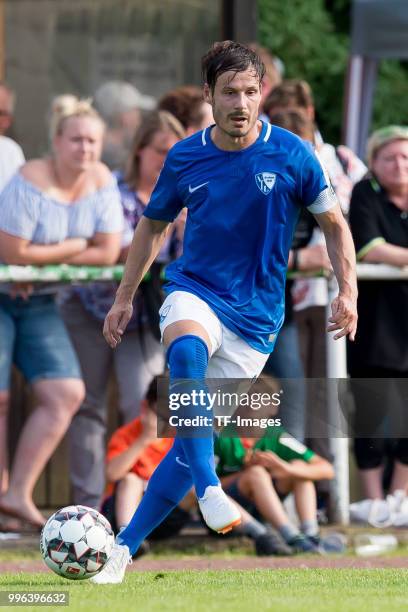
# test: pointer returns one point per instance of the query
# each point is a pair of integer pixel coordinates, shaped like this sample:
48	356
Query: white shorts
230	355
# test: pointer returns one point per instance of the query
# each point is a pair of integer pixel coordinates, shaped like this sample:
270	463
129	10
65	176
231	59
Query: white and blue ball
76	542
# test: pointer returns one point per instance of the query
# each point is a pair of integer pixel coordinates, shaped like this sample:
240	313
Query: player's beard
236	132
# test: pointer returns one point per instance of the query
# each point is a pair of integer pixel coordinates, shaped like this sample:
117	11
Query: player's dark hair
151	393
229	55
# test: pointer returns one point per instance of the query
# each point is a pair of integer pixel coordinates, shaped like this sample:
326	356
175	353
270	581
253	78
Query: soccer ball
76	542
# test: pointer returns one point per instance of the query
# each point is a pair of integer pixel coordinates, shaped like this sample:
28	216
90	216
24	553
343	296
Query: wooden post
239	20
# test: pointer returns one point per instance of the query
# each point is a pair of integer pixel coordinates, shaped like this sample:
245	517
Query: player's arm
151	231
146	244
342	255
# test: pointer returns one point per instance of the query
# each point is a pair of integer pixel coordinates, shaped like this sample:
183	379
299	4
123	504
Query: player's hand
344	317
116	322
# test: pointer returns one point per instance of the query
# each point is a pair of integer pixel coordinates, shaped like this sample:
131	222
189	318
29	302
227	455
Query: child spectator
134	452
140	355
262	471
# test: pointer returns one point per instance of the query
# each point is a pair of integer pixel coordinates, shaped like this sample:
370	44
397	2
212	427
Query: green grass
162	550
305	590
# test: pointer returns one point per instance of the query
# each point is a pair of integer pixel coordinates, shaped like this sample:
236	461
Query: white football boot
115	568
218	511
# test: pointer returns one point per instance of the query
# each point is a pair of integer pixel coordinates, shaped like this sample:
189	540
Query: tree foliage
312	39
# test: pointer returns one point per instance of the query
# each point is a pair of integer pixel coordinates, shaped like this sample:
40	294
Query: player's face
390	165
235	102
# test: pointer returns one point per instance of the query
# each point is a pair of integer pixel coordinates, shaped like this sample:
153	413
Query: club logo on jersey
265	181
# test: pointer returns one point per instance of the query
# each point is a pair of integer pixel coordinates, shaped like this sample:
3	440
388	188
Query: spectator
7	103
310	295
11	159
379	224
290	95
187	104
343	166
274	70
64	208
140	354
285	362
11	154
134	452
264	471
120	105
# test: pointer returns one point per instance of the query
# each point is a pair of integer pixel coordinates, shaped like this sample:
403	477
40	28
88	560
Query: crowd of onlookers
80	205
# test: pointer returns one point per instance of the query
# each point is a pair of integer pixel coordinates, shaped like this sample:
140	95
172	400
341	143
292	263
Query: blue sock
169	483
188	359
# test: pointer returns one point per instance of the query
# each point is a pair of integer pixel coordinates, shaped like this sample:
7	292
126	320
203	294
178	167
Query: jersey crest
265	181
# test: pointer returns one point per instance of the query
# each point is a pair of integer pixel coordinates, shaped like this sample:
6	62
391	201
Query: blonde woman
64	208
140	355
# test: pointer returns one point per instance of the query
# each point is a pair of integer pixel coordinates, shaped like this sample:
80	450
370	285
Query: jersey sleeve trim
324	202
309	454
370	245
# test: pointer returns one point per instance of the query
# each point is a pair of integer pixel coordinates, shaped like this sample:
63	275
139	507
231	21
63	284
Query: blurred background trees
312	38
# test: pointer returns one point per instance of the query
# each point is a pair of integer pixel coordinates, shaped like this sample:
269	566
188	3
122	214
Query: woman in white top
64	208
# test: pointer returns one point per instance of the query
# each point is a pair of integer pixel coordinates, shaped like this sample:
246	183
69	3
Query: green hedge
312	39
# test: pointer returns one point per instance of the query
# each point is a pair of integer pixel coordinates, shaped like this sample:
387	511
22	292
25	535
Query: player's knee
187	357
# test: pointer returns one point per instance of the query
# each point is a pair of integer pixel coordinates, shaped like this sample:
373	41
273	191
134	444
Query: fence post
337	368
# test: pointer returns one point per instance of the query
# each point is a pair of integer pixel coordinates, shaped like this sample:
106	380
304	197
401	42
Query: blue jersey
242	210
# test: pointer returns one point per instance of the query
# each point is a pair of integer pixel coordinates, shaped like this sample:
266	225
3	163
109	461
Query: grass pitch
304	590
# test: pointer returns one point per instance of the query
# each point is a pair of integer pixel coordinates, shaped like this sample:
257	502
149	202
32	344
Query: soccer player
243	183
